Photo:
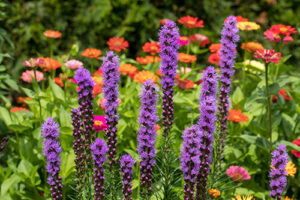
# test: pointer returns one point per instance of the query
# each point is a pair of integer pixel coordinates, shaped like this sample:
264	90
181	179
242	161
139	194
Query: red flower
91	53
200	39
296	153
117	44
214	58
52	34
191	22
58	81
237	116
16	109
148	59
163	21
151	47
184	84
283	30
268	55
283	93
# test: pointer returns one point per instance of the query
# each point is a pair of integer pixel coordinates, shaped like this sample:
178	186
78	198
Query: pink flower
102	103
183	40
288	39
100	123
28	76
32	62
74	64
272	36
203	40
237	173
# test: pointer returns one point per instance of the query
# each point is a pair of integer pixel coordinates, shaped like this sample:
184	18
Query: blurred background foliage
91	23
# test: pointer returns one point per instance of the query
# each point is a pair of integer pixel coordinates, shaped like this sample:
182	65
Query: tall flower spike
127	163
278	172
111	80
169	43
99	150
208	108
78	146
85	91
229	39
52	149
190	160
147	135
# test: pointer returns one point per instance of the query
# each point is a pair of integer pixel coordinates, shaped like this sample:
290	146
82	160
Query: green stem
92	66
269	108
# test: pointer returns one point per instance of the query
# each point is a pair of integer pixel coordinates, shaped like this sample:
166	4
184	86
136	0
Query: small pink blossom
100	123
288	39
74	64
28	76
237	173
103	101
32	62
183	40
272	36
203	40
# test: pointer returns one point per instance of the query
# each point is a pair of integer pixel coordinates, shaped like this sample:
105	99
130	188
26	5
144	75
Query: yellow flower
239	197
214	193
291	169
248	26
287	198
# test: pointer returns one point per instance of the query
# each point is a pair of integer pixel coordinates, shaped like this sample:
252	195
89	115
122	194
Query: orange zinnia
252	46
21	100
52	34
215	47
186	58
16	109
214	58
117	44
184	84
91	53
58	81
148	59
191	22
151	47
49	64
163	21
237	116
127	69
142	76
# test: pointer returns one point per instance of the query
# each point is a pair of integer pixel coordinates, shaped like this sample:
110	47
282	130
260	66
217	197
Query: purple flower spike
208	108
278	172
229	39
169	43
190	160
99	150
147	135
111	78
127	163
86	85
52	149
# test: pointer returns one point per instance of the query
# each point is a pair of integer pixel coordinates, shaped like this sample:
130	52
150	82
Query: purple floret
127	163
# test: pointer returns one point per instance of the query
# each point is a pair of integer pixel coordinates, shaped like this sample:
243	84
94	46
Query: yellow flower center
98	123
191	22
237	177
283	29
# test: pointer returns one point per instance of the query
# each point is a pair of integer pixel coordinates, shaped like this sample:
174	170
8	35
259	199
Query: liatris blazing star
229	39
99	150
147	135
278	172
206	125
127	163
78	146
190	160
52	149
169	44
111	78
85	91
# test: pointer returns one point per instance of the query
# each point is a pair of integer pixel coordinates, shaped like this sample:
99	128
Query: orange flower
98	72
97	90
186	58
21	100
91	53
214	58
52	34
184	84
252	46
16	109
117	44
215	47
237	116
157	128
142	76
127	69
163	21
191	22
151	47
239	19
148	59
58	81
158	72
49	64
214	193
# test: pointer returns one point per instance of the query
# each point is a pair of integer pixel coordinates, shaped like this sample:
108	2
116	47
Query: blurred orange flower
16	109
91	53
127	69
191	22
49	64
52	34
151	47
58	81
215	47
163	21
184	84
214	193
117	44
148	59
186	58
214	58
144	75
21	100
252	46
97	90
237	116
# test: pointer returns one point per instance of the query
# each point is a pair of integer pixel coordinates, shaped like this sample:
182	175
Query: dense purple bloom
229	39
206	123
78	146
52	149
169	45
99	150
146	134
190	160
126	163
85	91
278	172
111	78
